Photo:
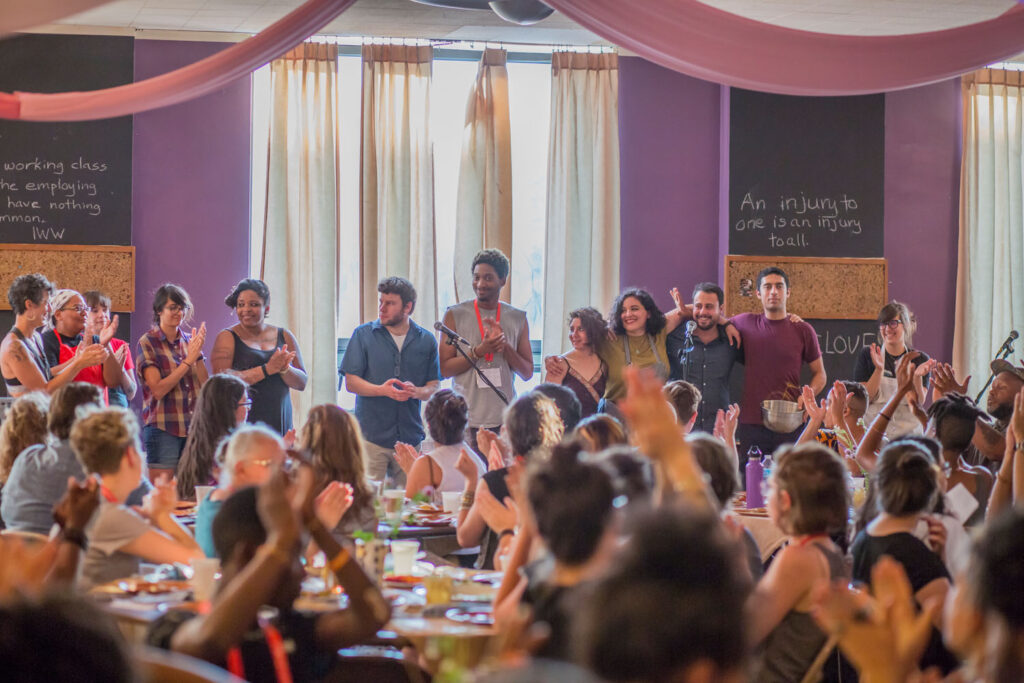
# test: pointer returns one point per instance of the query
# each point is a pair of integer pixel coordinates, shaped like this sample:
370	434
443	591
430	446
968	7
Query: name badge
493	374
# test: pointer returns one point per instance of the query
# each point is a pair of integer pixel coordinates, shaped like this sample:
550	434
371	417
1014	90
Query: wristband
75	537
1019	446
467	499
339	560
264	369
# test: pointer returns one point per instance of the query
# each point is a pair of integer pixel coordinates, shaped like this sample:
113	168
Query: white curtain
397	181
483	218
581	266
990	278
300	240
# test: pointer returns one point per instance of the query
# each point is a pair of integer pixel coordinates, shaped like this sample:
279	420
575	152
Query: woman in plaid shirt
172	368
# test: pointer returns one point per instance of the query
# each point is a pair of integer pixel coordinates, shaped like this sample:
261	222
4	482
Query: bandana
58	301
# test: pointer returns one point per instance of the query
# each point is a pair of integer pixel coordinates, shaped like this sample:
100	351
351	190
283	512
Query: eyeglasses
77	309
173	308
892	324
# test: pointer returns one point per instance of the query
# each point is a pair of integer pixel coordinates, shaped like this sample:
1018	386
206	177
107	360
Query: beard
1001	412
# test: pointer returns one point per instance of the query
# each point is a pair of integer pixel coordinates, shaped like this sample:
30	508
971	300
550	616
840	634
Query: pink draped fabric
708	43
21	14
185	83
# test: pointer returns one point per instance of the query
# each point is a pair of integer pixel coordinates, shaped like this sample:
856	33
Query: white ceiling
403	18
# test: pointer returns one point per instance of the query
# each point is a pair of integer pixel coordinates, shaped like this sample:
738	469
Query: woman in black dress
581	369
265	357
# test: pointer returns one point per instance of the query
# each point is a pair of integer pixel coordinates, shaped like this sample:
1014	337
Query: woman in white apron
876	368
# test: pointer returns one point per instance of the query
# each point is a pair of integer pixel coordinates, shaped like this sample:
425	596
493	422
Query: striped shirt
173	412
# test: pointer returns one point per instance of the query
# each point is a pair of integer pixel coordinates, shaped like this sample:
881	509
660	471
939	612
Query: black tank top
35	351
271	398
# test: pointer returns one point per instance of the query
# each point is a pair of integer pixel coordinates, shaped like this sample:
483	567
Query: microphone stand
451	341
1005	350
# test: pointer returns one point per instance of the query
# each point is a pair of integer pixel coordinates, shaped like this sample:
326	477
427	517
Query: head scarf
58	301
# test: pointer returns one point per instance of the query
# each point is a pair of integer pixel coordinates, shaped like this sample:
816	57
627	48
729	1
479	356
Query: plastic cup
202	492
204	577
403	555
451	500
393	501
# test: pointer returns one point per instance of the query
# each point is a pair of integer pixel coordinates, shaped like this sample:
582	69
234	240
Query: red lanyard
105	492
275	644
480	322
807	539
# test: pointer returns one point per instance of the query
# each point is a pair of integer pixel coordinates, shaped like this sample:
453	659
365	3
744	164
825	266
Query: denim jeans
162	449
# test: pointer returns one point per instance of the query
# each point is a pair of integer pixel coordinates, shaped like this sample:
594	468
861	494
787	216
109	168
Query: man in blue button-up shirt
700	353
391	365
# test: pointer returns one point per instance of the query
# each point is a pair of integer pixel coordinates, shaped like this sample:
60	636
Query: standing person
172	368
876	368
391	365
581	370
96	320
265	357
499	338
22	359
69	325
775	348
702	354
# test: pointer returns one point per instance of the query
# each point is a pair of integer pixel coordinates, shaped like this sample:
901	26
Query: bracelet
505	532
881	414
264	369
467	499
1019	446
185	362
75	537
472	353
339	560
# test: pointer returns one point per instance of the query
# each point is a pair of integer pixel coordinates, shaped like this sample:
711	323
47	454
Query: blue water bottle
755	475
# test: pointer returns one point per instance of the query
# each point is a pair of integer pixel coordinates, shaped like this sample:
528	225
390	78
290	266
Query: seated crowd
610	497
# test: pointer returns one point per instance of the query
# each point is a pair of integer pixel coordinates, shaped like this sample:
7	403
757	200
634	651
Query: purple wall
190	195
922	199
673	134
668	148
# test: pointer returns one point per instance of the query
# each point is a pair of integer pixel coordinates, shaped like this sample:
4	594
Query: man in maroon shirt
775	349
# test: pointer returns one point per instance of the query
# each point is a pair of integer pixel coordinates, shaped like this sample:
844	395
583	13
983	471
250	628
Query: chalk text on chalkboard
794	217
844	344
47	191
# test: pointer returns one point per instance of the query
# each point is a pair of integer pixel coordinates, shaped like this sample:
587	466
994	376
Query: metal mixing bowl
782	416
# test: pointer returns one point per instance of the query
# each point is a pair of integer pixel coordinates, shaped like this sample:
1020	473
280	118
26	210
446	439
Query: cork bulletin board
110	269
822	288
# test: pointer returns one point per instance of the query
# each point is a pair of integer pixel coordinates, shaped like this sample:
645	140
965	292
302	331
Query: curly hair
446	415
32	287
495	258
592	323
334	441
213	419
954	416
815	479
533	425
100	439
24	425
257	287
655	318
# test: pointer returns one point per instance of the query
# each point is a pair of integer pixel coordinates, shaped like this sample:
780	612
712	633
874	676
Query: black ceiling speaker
523	12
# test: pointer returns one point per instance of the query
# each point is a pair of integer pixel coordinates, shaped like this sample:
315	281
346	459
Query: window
454	73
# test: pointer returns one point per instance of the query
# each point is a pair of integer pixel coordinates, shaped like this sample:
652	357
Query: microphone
1009	340
691	325
450	333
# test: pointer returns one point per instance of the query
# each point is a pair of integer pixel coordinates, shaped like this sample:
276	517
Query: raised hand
279	360
917	410
405	456
76	508
877	357
498	515
496	455
106	333
162	498
276	511
195	344
1017	419
719	428
837	402
88	355
677	299
815	412
484	437
494	338
652	422
905	373
121	354
466	466
944	380
732	421
925	367
332	503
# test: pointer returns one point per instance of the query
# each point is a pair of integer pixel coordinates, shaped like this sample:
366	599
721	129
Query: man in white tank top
499	342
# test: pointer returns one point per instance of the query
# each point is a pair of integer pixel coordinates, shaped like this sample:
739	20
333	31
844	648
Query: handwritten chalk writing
20	218
21	204
750	224
83	165
63	187
72	205
799	240
47	233
795	218
749	203
37	164
844	344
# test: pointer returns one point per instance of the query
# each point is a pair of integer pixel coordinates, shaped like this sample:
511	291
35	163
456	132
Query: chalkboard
66	183
806	174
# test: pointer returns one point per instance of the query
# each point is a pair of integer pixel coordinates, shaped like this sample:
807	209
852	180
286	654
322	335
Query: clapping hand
652	421
280	360
1017	419
195	344
106	333
467	467
162	498
815	411
332	503
837	398
726	422
944	379
905	373
121	354
405	456
499	516
88	355
494	338
877	357
277	512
